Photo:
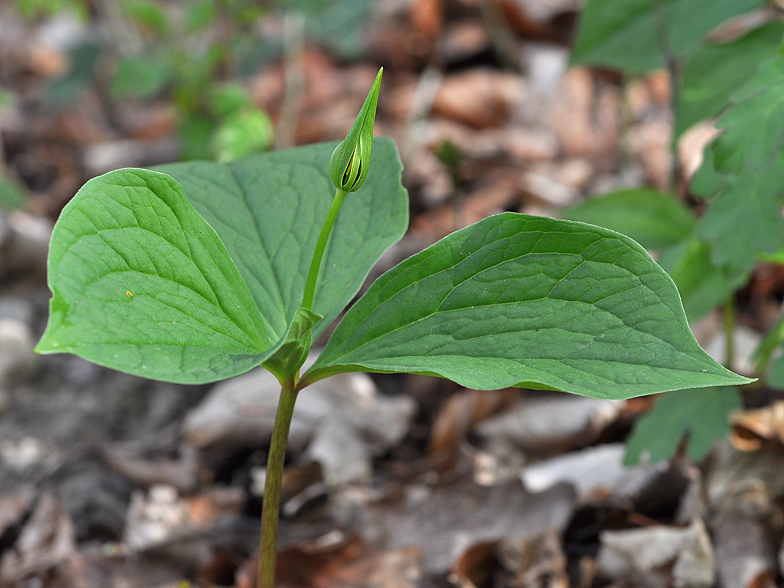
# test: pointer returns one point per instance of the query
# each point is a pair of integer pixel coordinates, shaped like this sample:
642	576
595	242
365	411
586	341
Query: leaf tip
46	345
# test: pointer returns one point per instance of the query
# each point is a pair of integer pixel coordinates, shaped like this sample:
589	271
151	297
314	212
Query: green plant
31	9
184	51
718	68
187	54
201	271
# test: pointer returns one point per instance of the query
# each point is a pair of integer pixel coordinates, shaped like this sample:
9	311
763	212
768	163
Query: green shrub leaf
627	34
268	210
141	76
653	219
701	284
714	72
744	219
515	300
241	133
702	414
141	283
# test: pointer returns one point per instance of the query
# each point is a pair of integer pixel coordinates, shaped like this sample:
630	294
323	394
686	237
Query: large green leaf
702	414
715	71
268	210
653	219
744	219
515	300
141	283
630	34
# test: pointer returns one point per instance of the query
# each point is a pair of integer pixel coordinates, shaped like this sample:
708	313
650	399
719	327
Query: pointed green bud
350	161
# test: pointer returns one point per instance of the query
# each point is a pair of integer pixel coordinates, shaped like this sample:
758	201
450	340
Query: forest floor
109	480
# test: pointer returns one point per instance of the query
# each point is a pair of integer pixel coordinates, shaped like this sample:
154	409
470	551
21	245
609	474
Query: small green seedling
201	271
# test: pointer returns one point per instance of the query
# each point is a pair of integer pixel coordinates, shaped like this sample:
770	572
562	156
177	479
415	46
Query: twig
673	66
501	35
294	79
126	34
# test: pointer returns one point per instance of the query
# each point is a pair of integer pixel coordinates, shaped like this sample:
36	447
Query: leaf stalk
321	245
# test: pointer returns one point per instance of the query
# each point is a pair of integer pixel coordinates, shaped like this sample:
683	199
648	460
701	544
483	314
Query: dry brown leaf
537	19
529	144
84	123
750	429
337	561
557	184
462	411
147	120
647	94
691	146
215	502
462	514
47	62
47	540
219	570
480	97
544	10
427	17
462	40
400	568
297	478
530	562
348	562
472	143
536	562
585	116
497	195
659	556
476	566
650	142
551	424
181	473
330	96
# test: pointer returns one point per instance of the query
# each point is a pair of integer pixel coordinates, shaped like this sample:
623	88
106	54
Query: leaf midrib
278	302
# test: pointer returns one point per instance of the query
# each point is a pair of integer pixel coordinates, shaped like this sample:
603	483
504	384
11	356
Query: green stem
321	245
769	344
268	548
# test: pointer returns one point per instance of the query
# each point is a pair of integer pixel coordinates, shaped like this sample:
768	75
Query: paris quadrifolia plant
196	272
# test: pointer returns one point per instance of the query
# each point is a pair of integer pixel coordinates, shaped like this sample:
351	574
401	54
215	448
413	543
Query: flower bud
350	161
